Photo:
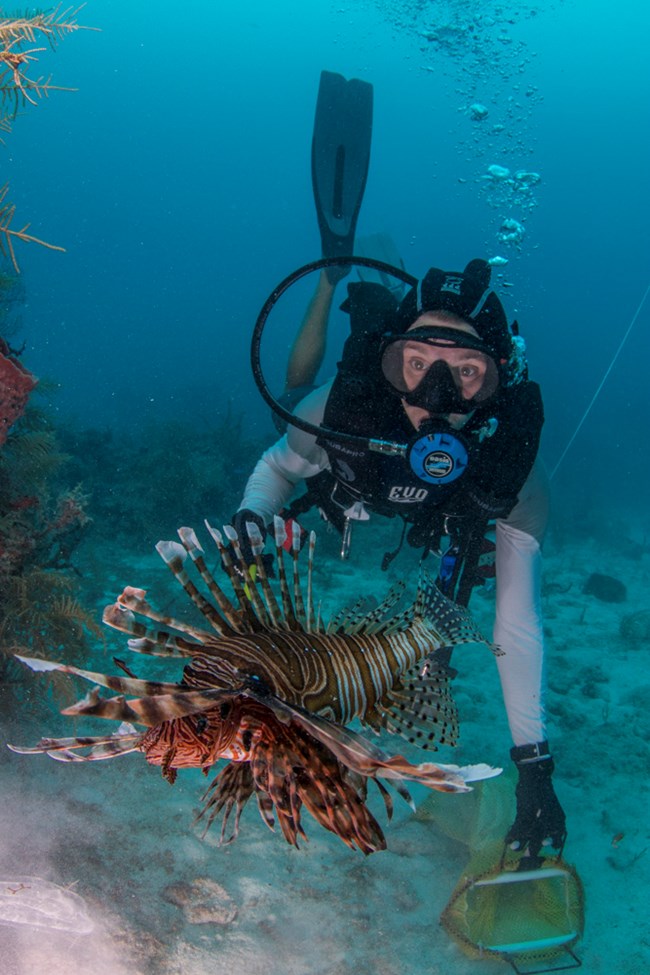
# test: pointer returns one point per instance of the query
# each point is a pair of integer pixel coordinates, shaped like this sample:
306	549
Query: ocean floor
150	894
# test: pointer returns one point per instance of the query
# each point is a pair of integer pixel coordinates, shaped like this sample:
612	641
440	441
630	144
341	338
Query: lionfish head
195	740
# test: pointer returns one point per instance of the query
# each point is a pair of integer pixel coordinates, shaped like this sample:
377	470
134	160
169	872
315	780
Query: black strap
468	574
389	556
318	495
458	570
465	549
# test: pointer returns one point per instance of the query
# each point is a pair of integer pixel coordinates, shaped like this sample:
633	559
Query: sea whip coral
16	383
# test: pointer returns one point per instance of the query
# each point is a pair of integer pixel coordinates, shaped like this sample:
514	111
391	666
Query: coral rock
606	588
203	901
636	626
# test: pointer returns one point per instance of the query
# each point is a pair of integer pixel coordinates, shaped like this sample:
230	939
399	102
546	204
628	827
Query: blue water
177	178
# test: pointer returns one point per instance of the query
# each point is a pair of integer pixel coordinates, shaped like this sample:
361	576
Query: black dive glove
239	524
487	505
540	819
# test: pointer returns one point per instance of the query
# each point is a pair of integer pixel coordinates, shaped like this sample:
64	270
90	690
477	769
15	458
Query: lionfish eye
225	709
201	724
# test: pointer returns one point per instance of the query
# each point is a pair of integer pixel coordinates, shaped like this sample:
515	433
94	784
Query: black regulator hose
381	446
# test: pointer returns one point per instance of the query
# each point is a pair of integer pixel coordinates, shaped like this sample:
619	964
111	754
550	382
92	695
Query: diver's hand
487	505
540	819
239	524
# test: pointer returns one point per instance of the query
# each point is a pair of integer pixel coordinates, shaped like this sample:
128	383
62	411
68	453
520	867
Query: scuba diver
430	418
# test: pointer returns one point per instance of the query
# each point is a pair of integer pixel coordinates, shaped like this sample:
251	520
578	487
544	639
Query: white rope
602	383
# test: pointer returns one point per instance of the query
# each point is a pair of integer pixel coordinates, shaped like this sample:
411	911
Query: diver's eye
417	365
469	372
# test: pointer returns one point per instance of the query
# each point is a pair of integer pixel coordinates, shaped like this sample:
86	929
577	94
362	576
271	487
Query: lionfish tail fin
421	708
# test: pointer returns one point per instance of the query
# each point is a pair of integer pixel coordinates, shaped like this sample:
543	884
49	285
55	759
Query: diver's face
468	366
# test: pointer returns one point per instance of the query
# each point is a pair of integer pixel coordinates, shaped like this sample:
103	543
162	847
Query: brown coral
16	383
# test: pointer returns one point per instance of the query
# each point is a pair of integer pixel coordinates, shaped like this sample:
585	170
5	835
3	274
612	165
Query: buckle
536	752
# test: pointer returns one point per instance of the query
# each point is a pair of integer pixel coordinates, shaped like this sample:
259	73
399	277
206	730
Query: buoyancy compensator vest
499	441
378	459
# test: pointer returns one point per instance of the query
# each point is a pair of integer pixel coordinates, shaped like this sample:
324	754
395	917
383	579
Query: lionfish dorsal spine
194	549
247	619
134	599
298	601
257	547
280	537
378	620
265	614
155	643
174	555
313	624
349	619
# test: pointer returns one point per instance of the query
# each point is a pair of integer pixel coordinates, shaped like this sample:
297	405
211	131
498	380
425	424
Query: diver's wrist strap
539	751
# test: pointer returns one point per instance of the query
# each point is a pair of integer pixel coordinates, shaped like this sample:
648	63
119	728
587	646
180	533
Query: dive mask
441	370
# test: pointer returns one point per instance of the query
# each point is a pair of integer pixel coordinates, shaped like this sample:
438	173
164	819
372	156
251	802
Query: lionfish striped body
271	689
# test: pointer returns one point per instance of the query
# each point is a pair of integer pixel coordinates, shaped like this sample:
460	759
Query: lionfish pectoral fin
151	710
281	710
151	640
360	755
125	685
38	665
443	778
123	741
471	773
159	701
231	789
388	802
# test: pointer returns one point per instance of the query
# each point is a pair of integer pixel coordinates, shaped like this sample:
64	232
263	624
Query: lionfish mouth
271	689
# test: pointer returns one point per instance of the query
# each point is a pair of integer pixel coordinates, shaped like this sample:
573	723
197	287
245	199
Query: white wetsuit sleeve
518	627
294	457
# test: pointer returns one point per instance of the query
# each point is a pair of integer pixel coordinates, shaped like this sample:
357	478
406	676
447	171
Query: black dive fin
340	154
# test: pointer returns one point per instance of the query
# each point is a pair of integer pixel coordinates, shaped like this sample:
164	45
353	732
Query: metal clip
346	538
356	512
388	447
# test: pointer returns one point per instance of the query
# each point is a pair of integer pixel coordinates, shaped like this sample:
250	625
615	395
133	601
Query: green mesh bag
528	918
531	919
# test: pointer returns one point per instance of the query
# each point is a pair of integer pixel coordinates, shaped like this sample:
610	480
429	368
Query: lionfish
272	688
